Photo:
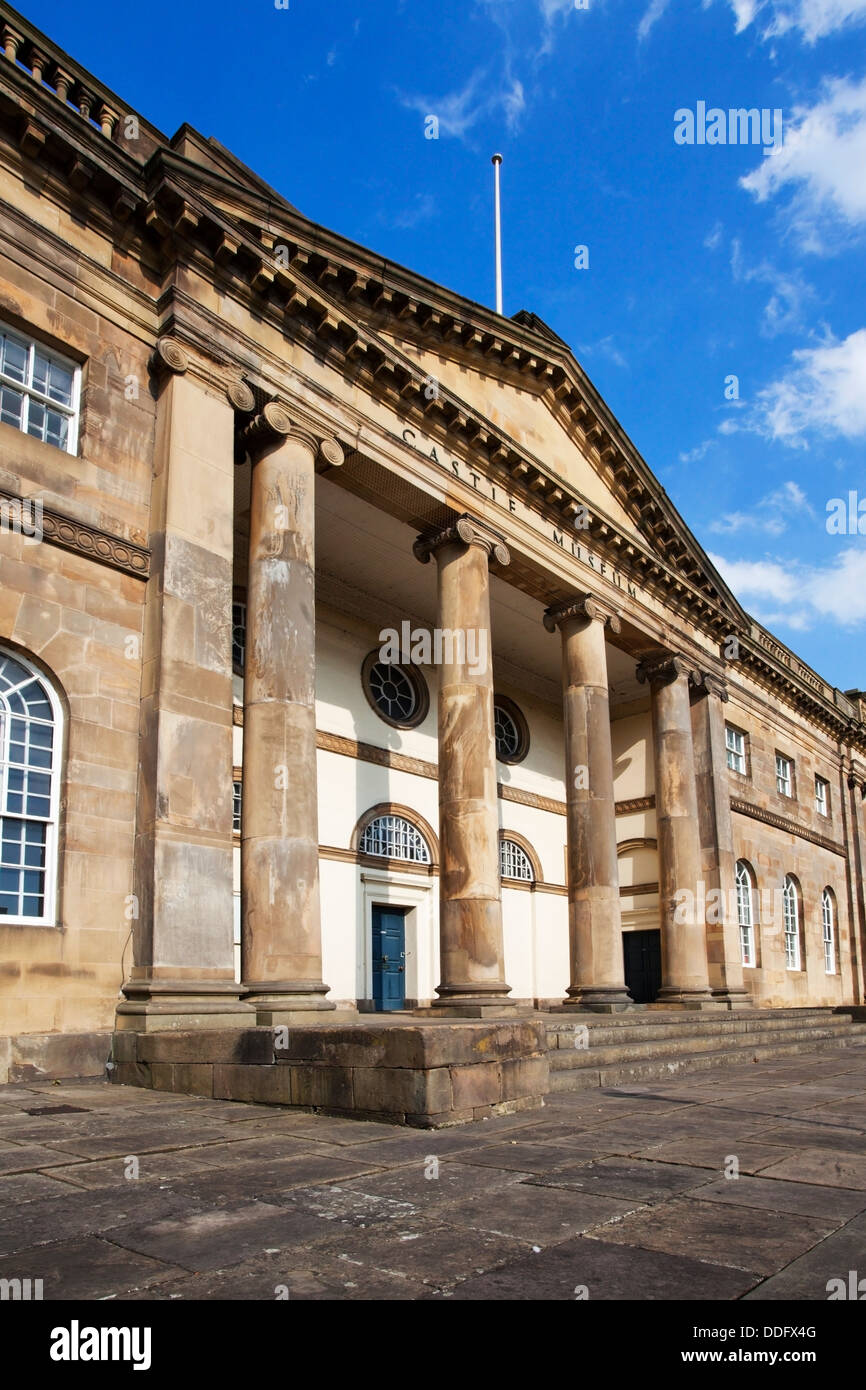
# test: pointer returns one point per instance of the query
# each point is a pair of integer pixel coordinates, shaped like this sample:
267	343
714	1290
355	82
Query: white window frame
791	901
394	827
735	747
784	778
237	804
828	931
512	850
746	914
72	412
822	802
52	825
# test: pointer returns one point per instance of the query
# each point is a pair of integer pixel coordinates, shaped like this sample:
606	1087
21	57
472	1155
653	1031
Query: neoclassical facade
352	659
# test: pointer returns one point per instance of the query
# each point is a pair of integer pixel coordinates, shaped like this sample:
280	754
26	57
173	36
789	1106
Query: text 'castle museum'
354	663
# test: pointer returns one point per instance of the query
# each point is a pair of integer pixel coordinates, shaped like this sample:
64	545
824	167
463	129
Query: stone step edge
590	1078
563	1042
563	1059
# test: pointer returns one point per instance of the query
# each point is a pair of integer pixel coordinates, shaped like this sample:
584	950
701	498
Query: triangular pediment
509	391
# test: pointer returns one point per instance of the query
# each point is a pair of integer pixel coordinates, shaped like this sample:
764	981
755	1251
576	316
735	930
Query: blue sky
706	261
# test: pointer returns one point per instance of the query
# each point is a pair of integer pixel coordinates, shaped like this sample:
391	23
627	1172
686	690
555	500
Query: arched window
791	902
828	930
394	837
746	912
514	862
30	746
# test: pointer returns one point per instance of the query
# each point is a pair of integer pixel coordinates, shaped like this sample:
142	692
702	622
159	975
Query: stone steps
618	1031
622	1048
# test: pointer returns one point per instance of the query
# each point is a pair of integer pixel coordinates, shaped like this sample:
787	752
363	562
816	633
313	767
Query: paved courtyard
113	1192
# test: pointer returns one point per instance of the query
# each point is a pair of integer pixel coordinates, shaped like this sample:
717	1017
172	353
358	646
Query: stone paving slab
621	1190
762	1242
713	1153
633	1179
828	1166
807	1277
800	1134
771	1193
88	1268
307	1277
455	1181
563	1272
538	1215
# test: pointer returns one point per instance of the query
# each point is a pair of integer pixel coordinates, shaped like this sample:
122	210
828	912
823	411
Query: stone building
353	660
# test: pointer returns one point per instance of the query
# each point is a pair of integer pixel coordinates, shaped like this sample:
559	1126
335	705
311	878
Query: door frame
390	888
400	912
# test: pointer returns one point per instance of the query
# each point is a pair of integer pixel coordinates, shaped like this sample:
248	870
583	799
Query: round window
510	730
398	694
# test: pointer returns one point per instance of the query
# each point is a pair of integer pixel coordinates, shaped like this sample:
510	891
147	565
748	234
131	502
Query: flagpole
496	161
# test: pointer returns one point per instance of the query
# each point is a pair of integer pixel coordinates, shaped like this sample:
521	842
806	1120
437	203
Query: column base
155	1006
672	998
734	998
598	999
474	1008
280	1003
474	1001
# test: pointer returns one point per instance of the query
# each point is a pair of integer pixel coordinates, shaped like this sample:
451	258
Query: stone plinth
427	1075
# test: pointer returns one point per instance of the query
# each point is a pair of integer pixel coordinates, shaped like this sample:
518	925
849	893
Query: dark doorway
642	951
389	958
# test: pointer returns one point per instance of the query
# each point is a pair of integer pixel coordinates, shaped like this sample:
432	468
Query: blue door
389	958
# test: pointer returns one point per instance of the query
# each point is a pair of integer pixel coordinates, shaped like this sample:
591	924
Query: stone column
594	917
183	957
470	895
718	864
685	975
281	937
855	837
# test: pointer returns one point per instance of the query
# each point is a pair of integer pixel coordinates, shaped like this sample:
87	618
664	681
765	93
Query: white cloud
457	112
813	19
801	596
713	238
821	161
770	515
421	209
824	392
783	312
605	347
651	15
700	451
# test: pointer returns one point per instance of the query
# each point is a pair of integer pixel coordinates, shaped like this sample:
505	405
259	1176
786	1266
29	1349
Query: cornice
747	808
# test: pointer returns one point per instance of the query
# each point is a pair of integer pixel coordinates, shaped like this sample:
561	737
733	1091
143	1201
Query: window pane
15	360
55	381
11	406
56	429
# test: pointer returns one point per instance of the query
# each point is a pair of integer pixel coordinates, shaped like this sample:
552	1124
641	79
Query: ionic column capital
583	607
168	357
711	684
665	669
241	397
466	530
274	424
